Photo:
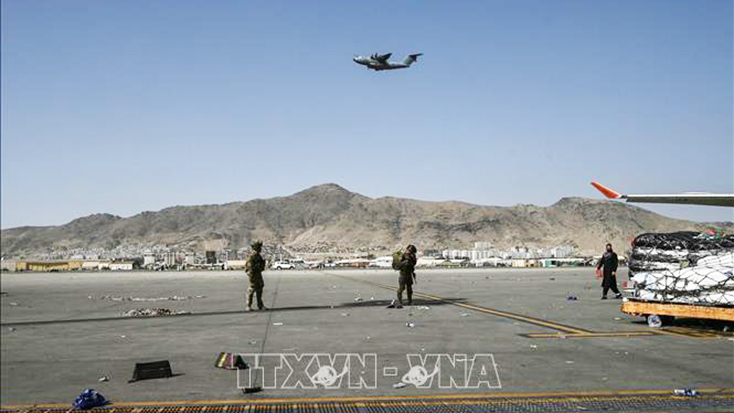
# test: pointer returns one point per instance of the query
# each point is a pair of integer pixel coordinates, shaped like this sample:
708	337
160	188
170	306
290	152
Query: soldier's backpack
397	257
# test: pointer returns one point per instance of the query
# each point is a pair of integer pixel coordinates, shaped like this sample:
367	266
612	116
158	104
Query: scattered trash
152	312
464	315
88	399
569	361
357	299
153	370
424	307
552	278
278	324
685	392
372	298
726	329
392	304
11	329
123	336
533	346
229	361
572	298
345	314
90	297
410	324
252	342
103	378
129	298
368	338
605	378
13	304
654	321
617	318
399	385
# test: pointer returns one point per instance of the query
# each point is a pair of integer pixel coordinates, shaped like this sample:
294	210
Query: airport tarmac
60	334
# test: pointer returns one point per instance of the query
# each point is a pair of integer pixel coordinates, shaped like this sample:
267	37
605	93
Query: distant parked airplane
695	198
379	62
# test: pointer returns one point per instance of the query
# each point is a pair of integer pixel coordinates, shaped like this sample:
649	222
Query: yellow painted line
592	335
499	313
722	392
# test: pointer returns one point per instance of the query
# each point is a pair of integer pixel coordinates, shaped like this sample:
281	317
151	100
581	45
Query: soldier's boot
260	304
400	299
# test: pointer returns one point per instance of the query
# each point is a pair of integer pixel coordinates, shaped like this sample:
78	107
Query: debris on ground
572	298
130	298
424	307
399	385
230	361
410	324
392	304
152	312
88	399
654	321
11	329
13	304
464	314
103	378
278	324
357	299
685	392
345	314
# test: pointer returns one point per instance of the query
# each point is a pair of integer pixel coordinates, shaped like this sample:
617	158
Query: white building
121	266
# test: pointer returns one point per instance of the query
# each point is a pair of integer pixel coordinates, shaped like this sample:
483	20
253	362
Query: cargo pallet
667	310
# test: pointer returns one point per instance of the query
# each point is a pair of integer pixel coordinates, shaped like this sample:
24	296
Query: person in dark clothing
255	266
407	274
609	262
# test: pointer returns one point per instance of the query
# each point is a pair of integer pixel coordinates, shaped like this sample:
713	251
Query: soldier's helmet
411	249
257	246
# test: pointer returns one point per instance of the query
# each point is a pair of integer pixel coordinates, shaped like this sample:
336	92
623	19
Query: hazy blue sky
126	106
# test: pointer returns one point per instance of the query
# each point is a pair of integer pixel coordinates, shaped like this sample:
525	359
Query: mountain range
330	218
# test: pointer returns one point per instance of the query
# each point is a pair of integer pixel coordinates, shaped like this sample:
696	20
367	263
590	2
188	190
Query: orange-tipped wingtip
608	192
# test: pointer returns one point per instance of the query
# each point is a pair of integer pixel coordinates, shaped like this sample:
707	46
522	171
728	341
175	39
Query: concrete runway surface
60	334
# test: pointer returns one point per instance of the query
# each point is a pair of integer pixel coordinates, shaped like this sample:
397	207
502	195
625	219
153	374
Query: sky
128	106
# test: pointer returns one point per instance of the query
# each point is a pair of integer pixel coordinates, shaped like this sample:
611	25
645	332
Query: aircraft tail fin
411	58
608	192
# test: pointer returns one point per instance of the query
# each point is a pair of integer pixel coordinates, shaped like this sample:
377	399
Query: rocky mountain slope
328	216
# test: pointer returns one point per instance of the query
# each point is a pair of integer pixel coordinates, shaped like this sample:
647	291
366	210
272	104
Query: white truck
282	265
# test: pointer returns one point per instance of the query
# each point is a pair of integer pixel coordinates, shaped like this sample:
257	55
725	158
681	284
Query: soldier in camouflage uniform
407	274
255	266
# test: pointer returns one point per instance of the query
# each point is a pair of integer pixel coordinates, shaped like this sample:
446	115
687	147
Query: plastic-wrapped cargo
684	267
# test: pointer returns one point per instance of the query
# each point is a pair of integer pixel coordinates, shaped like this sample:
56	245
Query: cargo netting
684	267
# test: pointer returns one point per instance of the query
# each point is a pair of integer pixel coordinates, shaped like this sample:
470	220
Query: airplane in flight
693	198
379	62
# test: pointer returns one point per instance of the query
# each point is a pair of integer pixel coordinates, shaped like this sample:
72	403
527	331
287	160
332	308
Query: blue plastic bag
89	399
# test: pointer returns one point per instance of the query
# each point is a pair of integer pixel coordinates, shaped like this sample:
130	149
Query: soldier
407	274
610	263
255	266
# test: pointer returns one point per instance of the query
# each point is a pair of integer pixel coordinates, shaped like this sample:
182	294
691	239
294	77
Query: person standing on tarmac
407	274
610	262
254	267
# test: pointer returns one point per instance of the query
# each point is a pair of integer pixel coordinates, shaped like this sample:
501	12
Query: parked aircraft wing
693	198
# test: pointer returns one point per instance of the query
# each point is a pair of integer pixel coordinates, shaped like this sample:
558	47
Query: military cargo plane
379	62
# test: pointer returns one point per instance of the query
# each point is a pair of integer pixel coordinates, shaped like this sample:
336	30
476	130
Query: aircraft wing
693	198
382	58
